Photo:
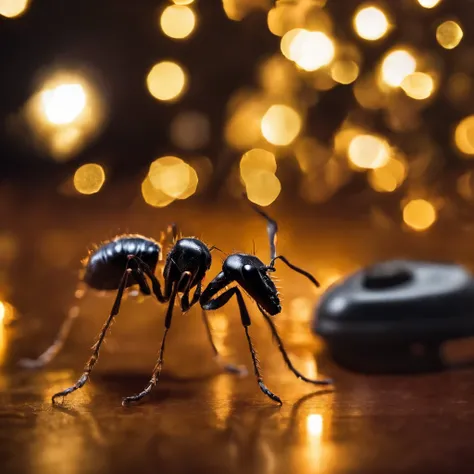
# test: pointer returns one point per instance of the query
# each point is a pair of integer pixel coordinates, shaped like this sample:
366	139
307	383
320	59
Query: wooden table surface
199	420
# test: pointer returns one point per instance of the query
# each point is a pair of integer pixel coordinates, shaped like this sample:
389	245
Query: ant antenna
272	229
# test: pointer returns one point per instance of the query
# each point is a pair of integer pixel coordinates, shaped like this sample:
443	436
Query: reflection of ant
250	447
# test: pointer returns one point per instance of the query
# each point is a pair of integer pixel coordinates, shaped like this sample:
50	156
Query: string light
166	81
280	125
262	187
368	151
344	72
371	23
429	3
419	214
464	135
89	178
177	21
396	66
449	34
13	8
418	85
256	160
311	50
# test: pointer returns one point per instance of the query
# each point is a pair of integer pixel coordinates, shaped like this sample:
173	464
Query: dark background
198	420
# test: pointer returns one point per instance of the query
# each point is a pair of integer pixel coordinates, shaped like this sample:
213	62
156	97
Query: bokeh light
314	424
166	81
371	23
7	313
171	176
418	85
429	3
262	187
177	21
344	71
419	214
89	178
256	160
389	177
280	125
368	152
396	66
154	197
311	50
287	40
449	34
13	8
65	113
64	103
183	2
464	135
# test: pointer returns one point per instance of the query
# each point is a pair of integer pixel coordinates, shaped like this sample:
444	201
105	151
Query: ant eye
247	268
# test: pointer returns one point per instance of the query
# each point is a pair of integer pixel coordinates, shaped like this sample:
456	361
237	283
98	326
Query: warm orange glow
389	177
262	187
154	197
64	103
396	66
370	23
464	135
314	425
65	113
13	8
368	151
311	50
177	21
419	214
256	160
280	125
418	85
166	81
344	72
89	178
449	34
428	3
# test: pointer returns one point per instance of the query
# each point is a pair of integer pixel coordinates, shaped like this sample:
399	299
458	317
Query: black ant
123	262
253	276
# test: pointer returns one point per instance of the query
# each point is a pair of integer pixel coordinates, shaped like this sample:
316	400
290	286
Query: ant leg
156	286
185	305
244	314
142	283
285	354
52	351
95	354
295	268
240	370
159	364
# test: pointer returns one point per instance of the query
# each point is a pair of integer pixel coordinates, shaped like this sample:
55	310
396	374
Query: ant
123	262
250	273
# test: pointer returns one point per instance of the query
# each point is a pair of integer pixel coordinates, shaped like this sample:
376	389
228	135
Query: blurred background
352	122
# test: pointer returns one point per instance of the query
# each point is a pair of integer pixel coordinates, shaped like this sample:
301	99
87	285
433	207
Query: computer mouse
395	316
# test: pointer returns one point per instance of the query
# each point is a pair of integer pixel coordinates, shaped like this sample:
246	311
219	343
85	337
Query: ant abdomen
104	267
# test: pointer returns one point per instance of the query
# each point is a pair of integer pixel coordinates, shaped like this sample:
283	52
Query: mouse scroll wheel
384	276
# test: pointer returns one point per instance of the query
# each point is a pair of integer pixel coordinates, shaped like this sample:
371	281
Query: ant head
252	275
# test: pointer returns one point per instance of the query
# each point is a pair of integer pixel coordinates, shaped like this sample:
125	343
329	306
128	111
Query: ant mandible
123	262
250	273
